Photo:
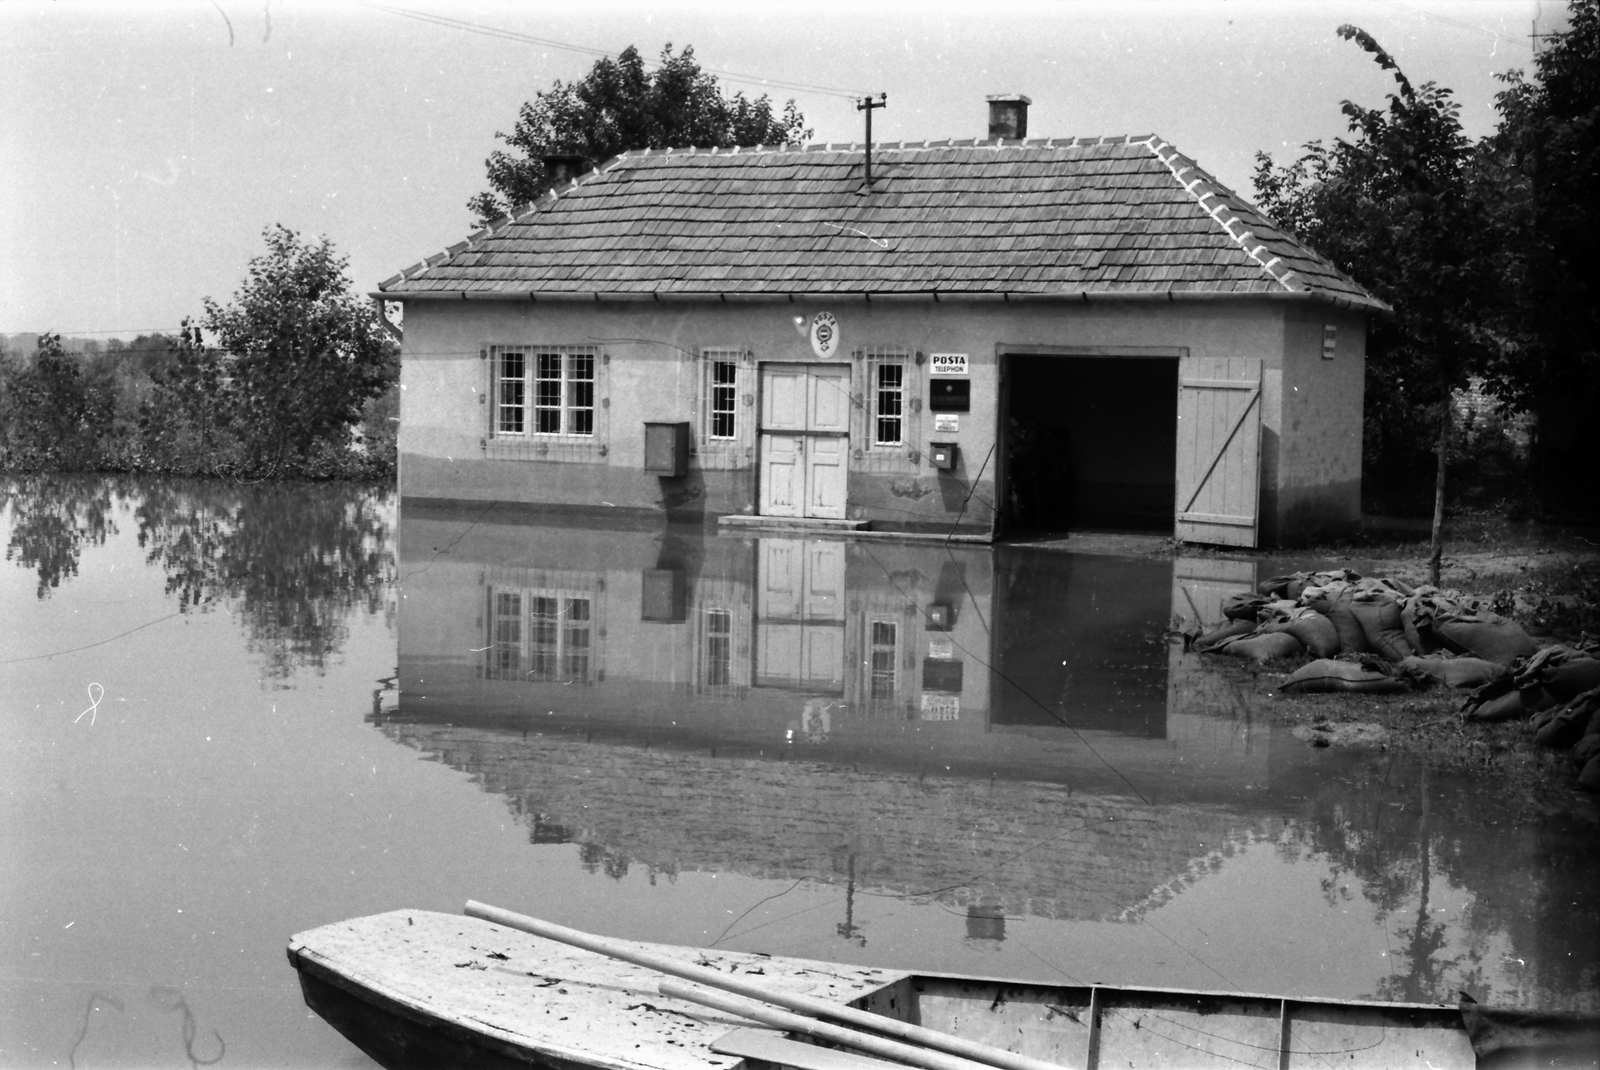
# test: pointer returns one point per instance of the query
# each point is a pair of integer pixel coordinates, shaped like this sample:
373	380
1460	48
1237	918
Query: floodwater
231	713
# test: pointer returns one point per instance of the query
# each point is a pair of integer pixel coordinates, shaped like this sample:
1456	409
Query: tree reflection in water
292	561
1414	839
53	517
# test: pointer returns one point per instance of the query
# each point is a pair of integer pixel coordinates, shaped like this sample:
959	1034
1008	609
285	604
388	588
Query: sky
146	146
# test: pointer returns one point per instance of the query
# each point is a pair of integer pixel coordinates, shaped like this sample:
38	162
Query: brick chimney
1008	116
561	168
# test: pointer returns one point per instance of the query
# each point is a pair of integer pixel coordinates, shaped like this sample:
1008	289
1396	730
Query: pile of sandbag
1404	632
1376	636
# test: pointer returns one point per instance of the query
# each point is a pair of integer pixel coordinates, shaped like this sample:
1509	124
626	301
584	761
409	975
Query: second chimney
1008	116
562	167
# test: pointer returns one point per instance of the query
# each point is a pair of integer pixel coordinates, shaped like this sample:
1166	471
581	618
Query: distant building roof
1057	217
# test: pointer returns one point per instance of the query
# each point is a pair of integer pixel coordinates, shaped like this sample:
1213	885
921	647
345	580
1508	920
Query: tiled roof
1054	217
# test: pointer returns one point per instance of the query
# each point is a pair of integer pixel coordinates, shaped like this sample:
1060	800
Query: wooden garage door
1219	450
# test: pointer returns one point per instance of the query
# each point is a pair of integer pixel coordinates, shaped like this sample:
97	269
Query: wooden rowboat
418	989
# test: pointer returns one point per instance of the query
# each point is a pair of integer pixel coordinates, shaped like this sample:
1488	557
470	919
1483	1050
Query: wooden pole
806	1005
1436	549
909	1054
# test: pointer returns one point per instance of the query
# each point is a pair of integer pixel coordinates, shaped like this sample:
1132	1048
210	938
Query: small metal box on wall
942	455
666	449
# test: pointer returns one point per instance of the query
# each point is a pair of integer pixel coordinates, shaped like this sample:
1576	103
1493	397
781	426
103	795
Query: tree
54	415
183	424
1399	209
1546	158
300	356
618	106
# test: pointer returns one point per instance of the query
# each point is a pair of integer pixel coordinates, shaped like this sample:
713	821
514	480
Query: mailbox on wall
666	449
949	395
942	455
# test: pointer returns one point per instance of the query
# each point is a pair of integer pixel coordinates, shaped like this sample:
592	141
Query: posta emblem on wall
824	335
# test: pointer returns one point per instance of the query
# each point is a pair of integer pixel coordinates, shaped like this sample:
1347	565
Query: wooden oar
882	1047
806	1005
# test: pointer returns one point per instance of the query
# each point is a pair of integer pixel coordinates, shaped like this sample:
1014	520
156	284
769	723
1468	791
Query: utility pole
867	104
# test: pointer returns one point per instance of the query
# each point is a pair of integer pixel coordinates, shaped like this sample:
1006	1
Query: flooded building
977	337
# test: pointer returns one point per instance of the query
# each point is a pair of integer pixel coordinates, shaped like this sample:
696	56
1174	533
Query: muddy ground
1549	581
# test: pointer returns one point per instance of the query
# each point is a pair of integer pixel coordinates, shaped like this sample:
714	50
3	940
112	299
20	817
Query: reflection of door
800	615
805	425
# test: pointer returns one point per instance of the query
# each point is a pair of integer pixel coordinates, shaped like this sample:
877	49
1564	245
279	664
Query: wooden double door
805	440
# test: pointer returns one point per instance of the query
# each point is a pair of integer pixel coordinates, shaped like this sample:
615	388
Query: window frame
879	358
733	398
568	397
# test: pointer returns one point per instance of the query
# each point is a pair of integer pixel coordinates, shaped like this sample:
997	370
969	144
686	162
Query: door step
790	523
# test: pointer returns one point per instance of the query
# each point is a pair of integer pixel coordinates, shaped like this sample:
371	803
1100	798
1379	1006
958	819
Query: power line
588	50
1497	35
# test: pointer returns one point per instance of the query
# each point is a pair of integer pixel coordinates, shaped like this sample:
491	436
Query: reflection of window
541	636
561	380
886	386
881	661
506	650
719	648
883	658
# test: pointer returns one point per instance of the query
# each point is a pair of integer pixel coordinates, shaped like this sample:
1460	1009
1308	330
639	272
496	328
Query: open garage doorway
1090	443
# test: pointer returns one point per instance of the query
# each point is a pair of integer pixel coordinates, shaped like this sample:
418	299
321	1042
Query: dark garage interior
1090	443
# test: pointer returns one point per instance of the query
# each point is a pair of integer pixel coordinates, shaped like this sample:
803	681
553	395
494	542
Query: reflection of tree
53	517
293	560
1400	831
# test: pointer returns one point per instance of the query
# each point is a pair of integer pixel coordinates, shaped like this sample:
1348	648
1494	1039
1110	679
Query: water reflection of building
991	722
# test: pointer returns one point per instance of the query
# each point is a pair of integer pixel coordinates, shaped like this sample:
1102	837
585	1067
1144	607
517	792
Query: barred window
886	396
511	392
723	377
889	405
723	398
562	382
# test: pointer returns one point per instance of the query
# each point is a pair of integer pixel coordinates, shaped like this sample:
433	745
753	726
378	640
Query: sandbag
1501	702
1326	674
1456	672
1243	606
1295	584
1567	681
1589	779
1336	607
1572	722
1379	617
1315	632
1262	646
1416	617
1585	749
1484	635
1221	634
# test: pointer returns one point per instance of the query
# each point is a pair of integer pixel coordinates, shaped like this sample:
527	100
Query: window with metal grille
723	398
886	379
511	392
561	382
722	380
